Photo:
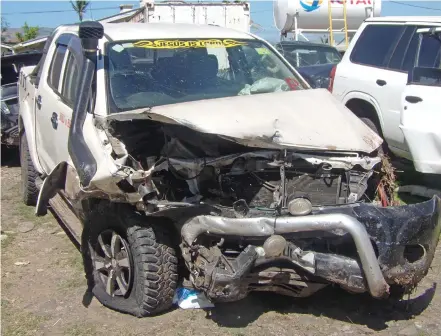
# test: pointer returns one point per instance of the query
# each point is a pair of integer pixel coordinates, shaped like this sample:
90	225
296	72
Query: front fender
367	98
54	182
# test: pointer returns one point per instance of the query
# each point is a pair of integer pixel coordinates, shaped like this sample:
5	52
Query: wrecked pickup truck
175	157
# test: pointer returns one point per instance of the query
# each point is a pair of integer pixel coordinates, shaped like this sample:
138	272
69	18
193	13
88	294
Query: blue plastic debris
191	299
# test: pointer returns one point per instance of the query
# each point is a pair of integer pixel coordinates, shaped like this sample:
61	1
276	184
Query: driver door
420	114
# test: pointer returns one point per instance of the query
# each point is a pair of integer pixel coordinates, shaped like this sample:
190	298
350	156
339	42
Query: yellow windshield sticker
263	51
178	44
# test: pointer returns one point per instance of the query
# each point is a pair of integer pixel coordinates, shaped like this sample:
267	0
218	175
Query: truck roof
430	19
137	31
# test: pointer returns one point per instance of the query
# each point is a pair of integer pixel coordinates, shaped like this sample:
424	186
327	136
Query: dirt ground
43	292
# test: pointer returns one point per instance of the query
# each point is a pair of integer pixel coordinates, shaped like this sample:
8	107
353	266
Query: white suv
373	73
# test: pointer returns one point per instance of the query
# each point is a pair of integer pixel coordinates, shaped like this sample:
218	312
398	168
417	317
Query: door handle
381	82
54	120
413	99
39	102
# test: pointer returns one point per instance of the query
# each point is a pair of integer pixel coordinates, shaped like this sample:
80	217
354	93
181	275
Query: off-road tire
153	260
373	126
29	174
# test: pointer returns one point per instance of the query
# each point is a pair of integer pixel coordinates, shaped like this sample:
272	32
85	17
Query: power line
416	6
55	11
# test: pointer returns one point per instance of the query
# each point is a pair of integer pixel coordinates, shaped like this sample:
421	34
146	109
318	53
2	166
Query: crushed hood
306	119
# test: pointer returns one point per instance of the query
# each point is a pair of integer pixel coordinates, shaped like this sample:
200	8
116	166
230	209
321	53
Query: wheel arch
25	124
364	106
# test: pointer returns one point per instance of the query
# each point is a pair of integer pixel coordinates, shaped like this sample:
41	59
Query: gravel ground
43	292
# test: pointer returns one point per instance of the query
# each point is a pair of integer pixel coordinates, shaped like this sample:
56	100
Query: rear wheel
29	174
130	265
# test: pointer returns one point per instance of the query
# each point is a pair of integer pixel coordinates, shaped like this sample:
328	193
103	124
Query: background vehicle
10	69
314	61
172	169
372	75
420	112
234	15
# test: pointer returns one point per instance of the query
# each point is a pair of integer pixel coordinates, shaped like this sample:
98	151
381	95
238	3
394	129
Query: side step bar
68	218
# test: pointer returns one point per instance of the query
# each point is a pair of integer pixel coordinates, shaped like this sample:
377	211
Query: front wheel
131	266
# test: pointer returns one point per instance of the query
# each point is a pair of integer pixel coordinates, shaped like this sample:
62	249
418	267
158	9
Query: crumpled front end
259	212
359	247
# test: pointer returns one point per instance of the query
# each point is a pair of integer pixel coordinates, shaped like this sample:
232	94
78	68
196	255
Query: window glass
409	58
300	56
55	69
375	44
188	70
397	58
71	78
426	76
430	52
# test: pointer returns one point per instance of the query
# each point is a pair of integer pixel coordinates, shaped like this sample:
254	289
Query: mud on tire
29	174
153	260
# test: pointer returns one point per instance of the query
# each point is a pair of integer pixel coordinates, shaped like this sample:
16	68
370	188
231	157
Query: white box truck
234	15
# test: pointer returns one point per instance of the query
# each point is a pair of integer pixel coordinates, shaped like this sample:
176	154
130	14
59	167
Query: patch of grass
76	261
6	242
76	281
80	330
17	322
72	260
7	285
27	213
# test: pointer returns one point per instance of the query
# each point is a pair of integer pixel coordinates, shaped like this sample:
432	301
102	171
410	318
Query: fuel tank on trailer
313	14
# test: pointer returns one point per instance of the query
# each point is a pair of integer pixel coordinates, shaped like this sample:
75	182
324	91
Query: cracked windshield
159	72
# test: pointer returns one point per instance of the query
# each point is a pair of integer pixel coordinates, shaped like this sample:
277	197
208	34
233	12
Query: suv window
429	55
409	58
375	44
55	69
396	61
70	81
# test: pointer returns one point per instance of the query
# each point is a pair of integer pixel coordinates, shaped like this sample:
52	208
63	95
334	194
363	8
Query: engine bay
187	167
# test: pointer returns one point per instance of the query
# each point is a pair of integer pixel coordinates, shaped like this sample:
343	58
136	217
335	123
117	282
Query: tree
29	33
5	26
80	7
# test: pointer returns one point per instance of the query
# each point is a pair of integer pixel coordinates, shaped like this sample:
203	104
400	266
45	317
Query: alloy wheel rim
111	261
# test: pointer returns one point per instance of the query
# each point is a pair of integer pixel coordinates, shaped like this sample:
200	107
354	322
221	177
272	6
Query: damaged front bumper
392	245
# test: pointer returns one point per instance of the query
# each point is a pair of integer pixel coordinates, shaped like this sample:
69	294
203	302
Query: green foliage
29	33
80	7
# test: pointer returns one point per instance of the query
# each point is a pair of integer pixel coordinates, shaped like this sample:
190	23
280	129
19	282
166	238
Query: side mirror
424	76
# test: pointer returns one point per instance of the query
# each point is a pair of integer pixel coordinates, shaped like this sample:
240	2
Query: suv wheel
373	126
131	267
29	175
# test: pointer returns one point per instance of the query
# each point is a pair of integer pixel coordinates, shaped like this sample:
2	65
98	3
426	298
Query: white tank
313	14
